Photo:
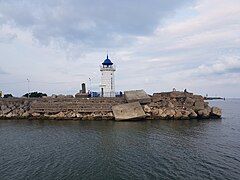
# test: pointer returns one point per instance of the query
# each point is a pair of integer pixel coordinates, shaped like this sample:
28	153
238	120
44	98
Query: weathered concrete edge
128	111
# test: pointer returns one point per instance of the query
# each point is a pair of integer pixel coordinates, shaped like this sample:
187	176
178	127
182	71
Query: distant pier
214	98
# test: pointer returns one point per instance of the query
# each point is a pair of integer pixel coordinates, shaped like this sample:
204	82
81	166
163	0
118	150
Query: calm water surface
206	149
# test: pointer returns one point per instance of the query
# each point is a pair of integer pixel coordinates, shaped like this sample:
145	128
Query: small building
82	93
107	86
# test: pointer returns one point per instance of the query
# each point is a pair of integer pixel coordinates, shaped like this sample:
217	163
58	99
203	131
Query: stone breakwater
134	105
180	105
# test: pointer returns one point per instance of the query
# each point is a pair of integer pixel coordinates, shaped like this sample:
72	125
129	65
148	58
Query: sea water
187	149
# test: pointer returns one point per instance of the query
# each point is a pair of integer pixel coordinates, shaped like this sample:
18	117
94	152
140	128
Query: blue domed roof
107	62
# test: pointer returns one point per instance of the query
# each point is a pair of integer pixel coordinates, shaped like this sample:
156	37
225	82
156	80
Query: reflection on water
122	150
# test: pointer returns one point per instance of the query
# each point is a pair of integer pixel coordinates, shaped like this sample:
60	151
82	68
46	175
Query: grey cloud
227	65
104	23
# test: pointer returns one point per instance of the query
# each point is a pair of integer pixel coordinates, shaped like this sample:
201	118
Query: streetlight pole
28	87
90	86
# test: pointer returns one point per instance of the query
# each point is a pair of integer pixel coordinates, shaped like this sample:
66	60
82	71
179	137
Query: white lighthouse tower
107	86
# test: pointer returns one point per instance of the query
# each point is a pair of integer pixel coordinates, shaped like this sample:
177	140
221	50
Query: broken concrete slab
137	95
128	111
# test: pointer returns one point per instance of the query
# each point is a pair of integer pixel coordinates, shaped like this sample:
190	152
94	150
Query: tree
7	96
35	95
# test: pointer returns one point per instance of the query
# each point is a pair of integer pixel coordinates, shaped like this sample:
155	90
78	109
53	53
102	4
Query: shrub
7	96
35	95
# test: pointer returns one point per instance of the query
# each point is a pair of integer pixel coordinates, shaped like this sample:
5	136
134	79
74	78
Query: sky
156	45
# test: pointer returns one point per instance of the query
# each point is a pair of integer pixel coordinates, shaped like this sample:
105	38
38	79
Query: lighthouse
107	86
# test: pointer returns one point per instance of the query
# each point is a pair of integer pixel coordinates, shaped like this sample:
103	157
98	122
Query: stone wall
166	105
80	105
62	108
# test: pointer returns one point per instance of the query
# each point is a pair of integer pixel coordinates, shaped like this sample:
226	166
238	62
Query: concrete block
128	111
137	95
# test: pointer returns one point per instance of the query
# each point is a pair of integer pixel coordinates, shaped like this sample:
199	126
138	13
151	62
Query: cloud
225	66
156	45
94	23
205	36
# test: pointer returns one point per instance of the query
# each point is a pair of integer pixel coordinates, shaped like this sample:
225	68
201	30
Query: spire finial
107	54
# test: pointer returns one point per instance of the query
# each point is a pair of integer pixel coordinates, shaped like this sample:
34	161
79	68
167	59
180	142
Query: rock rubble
166	105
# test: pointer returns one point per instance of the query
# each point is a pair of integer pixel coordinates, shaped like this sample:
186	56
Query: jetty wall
165	105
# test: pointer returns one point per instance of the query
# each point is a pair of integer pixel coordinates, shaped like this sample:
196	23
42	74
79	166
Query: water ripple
206	149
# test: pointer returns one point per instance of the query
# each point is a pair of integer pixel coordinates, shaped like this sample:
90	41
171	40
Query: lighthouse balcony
108	68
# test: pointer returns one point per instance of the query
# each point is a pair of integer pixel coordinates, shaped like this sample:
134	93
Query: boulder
192	114
88	117
25	114
173	94
71	115
21	105
108	116
47	115
178	94
54	96
137	95
160	112
204	113
21	111
146	109
16	112
163	115
206	104
11	106
69	96
216	112
155	112
198	105
25	108
60	115
6	111
3	107
170	105
153	104
198	97
78	115
94	116
169	113
35	114
185	114
189	102
128	111
178	114
9	115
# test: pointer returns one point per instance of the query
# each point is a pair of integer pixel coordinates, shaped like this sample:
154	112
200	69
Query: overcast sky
155	44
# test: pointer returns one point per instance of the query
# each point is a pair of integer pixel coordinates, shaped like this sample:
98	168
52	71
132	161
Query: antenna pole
28	87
